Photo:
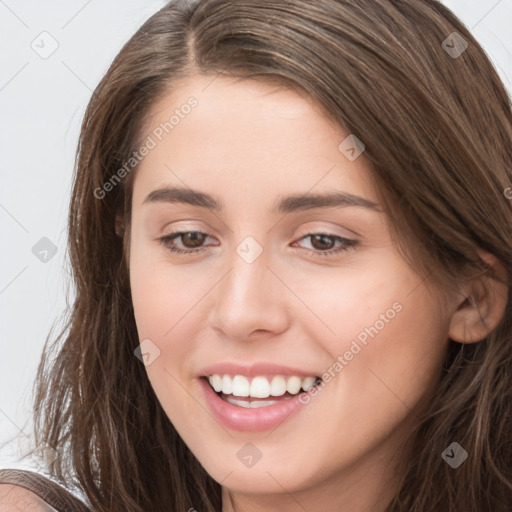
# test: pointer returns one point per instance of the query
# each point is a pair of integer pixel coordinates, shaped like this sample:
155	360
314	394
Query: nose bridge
248	279
246	299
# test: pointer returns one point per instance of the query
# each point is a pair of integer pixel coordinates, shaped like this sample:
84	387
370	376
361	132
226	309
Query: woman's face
291	275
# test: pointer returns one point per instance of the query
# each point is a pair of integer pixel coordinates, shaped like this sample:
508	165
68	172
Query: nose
249	300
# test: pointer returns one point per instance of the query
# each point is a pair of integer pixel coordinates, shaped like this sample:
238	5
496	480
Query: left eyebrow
287	204
335	199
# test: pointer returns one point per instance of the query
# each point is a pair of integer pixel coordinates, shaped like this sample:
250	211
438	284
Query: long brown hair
437	126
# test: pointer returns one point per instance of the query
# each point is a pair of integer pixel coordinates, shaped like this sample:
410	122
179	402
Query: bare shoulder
14	498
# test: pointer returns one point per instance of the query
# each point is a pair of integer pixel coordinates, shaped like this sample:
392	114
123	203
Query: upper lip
253	370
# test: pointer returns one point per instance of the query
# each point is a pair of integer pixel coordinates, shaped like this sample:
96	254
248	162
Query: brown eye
322	242
192	239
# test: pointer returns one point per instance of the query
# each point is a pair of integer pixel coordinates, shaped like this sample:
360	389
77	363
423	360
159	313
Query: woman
291	239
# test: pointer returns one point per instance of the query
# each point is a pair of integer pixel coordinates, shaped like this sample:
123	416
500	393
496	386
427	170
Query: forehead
215	93
223	132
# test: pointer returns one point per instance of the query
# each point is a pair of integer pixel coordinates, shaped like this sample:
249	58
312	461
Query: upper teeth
260	387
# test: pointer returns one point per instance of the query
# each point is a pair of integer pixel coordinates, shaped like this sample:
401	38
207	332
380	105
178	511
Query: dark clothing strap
49	491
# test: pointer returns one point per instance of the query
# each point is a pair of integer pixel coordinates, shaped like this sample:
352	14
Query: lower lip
249	420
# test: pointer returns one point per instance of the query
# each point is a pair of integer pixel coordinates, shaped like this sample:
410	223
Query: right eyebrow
183	195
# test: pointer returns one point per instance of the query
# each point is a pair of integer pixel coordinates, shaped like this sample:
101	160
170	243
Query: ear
482	305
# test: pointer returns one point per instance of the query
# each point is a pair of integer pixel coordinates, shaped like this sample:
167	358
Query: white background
42	102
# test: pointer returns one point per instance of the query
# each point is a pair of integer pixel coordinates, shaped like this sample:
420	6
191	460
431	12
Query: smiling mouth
260	391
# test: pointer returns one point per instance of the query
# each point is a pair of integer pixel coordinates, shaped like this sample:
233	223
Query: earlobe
482	304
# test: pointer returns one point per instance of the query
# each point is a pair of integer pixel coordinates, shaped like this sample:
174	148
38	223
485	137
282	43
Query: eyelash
348	244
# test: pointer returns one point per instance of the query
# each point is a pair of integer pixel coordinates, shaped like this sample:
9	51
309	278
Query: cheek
349	300
162	293
160	299
381	328
407	355
163	301
165	304
391	351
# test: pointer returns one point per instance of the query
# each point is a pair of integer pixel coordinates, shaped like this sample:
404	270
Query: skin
14	498
248	143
